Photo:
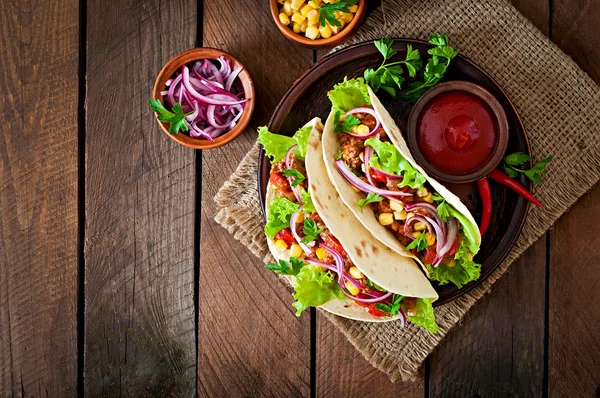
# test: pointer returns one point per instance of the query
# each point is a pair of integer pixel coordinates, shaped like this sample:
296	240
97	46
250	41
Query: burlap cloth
560	107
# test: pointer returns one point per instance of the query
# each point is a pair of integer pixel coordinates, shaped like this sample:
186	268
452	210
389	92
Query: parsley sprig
389	75
443	208
419	243
298	176
436	67
310	230
346	125
291	267
518	158
371	198
176	118
394	307
327	11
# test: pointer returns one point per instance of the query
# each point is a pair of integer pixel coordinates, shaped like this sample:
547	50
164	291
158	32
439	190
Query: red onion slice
209	99
363	186
231	78
370	111
293	218
366	159
334	269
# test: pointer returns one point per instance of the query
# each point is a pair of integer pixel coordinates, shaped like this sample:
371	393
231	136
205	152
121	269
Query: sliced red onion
432	226
450	237
370	111
209	99
428	208
196	132
192	117
293	218
171	93
168	82
210	116
225	69
334	269
288	164
231	78
366	159
402	318
409	221
385	174
163	93
363	186
212	69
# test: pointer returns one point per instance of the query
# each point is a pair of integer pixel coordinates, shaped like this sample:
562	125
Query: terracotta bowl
188	57
333	41
501	128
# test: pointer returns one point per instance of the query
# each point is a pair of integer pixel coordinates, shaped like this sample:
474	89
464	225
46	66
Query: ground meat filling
351	149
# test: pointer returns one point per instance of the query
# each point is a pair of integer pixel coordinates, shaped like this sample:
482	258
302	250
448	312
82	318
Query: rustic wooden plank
250	343
139	243
343	372
574	318
39	48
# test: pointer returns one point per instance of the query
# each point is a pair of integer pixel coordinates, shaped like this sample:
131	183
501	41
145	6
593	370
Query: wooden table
116	281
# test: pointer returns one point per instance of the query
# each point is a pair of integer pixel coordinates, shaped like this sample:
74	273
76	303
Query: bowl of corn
318	23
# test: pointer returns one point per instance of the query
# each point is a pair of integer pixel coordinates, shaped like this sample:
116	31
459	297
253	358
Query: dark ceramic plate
307	98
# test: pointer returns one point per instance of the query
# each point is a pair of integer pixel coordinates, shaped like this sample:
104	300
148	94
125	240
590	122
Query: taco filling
321	268
401	198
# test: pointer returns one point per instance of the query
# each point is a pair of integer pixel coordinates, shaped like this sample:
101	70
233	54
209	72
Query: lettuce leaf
309	206
390	160
470	231
462	273
277	145
349	94
425	316
280	211
314	287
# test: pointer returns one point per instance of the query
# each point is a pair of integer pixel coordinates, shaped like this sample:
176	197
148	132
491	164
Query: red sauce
456	132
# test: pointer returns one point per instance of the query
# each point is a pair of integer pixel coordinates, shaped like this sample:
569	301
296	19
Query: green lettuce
462	273
277	145
470	231
314	287
280	211
309	206
425	316
349	94
390	160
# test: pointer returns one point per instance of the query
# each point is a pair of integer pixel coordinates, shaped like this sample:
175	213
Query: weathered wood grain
574	342
139	192
39	46
250	343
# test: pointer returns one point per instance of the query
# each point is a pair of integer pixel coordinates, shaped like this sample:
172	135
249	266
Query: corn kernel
304	26
430	238
351	288
280	244
315	24
361	156
334	29
451	263
298	18
297	4
296	250
313	16
353	8
400	215
428	198
420	226
386	218
396	206
300	217
416	234
361	129
287	9
281	1
355	273
321	253
284	19
355	189
347	17
313	4
312	32
305	10
410	214
422	192
296	27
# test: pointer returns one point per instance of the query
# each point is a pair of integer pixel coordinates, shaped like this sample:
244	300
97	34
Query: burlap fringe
559	104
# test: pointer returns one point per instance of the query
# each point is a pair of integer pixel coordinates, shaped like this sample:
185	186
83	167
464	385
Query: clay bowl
501	129
189	57
333	41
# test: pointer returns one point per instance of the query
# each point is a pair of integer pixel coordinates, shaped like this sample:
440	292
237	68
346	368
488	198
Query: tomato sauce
457	132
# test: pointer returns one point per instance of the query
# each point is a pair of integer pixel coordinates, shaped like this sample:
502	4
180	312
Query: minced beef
351	149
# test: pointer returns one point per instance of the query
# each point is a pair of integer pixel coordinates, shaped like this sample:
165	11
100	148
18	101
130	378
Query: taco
375	175
329	258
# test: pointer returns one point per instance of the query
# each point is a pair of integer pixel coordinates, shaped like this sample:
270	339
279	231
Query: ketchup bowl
458	132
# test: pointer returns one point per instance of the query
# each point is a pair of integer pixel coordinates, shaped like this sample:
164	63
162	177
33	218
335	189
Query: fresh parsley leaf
437	197
176	118
436	67
388	76
339	155
327	12
298	176
310	230
393	307
419	243
371	198
509	166
286	268
444	210
375	286
346	125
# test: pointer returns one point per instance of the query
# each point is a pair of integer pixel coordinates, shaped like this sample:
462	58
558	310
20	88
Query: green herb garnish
389	76
327	11
371	198
310	230
519	158
286	268
176	119
392	308
375	285
298	176
345	126
420	243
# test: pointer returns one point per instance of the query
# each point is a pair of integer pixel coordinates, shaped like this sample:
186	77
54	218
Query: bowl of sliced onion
203	98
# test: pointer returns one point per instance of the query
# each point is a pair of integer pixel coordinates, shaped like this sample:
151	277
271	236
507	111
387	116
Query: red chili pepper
486	200
503	179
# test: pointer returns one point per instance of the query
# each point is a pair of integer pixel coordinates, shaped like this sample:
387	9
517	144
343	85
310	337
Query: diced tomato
280	182
286	236
375	311
363	296
377	177
430	255
454	248
335	244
